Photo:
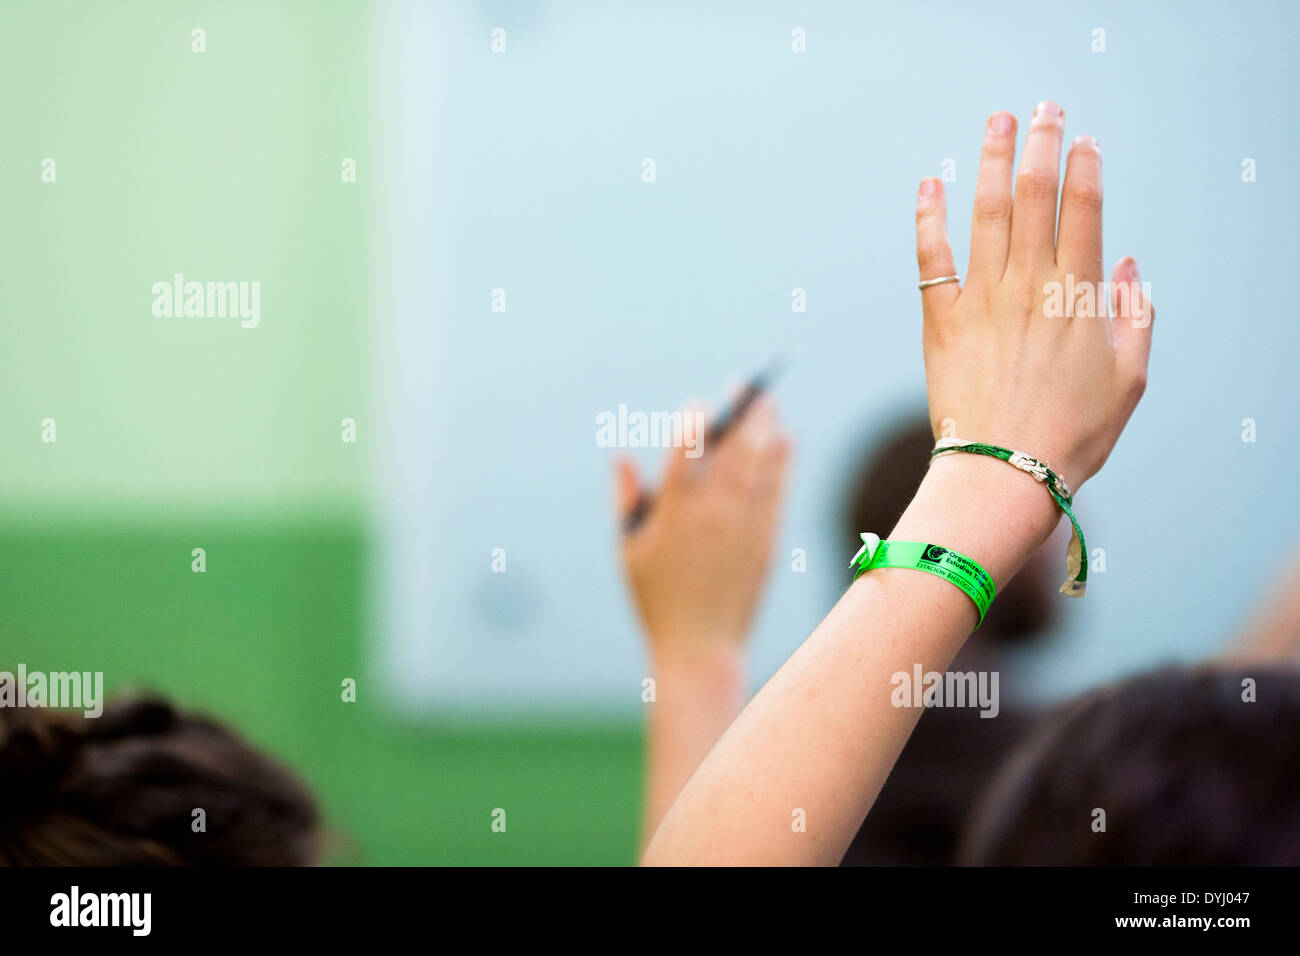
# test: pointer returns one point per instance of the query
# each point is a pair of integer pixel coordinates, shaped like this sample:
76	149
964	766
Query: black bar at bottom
333	905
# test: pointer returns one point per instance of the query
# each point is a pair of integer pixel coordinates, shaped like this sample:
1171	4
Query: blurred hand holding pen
727	420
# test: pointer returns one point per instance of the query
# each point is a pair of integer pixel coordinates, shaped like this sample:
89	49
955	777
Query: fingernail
1000	123
1131	270
929	186
1087	141
1047	110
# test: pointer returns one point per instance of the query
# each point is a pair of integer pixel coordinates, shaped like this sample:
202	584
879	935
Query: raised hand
1025	354
697	564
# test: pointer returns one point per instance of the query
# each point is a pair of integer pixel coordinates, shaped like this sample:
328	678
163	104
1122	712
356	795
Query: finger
1078	237
767	499
1033	210
725	424
769	464
933	251
1134	320
679	467
776	460
738	464
627	486
990	231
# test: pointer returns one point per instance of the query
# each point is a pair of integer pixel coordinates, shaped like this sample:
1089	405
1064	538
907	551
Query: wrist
984	508
693	657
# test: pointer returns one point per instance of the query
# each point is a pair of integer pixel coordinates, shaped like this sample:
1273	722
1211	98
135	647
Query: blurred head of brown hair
885	482
1188	772
122	790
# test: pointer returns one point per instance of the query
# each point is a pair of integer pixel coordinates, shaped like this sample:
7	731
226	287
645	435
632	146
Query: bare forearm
819	740
695	702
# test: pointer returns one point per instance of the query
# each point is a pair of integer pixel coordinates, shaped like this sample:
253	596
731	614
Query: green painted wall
262	639
223	165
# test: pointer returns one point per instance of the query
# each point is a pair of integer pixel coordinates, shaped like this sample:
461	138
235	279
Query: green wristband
1076	583
952	566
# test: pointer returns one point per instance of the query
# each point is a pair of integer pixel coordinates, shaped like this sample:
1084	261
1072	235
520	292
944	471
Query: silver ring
939	281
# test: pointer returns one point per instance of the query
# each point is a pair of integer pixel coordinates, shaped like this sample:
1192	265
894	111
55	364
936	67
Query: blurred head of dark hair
1188	771
122	790
883	486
